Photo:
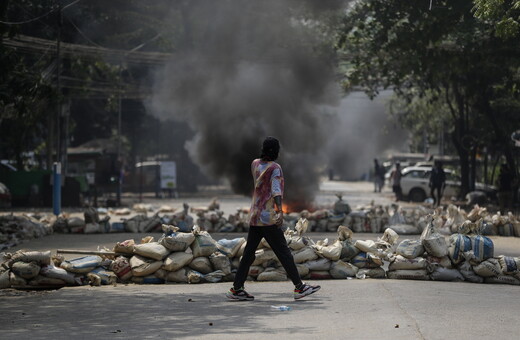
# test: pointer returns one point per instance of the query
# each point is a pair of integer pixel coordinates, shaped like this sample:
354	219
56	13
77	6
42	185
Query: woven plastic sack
410	248
374	273
304	255
121	267
488	268
504	279
417	274
402	263
152	250
176	261
142	266
204	244
445	274
433	242
26	270
175	240
366	260
125	247
469	274
459	244
221	263
201	265
82	265
272	274
509	265
342	270
319	264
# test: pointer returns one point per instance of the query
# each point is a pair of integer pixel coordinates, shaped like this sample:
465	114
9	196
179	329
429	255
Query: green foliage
504	14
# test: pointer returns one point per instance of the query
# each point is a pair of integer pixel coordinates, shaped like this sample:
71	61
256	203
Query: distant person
265	220
395	179
379	176
437	182
505	188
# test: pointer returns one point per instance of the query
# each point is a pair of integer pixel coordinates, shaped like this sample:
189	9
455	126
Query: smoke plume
247	70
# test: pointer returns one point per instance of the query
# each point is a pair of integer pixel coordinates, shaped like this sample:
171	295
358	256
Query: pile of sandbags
15	229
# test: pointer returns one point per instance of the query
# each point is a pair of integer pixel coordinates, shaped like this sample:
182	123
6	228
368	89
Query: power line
39	17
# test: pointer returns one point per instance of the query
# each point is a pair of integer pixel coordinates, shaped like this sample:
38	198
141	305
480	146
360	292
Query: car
5	196
415	184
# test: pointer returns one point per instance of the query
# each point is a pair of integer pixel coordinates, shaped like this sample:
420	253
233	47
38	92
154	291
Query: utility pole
56	178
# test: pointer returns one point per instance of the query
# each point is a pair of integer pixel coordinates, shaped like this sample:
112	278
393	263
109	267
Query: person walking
265	220
437	182
395	179
505	188
379	176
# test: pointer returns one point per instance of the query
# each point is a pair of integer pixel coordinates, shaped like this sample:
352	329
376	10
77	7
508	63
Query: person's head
438	164
397	165
270	149
375	161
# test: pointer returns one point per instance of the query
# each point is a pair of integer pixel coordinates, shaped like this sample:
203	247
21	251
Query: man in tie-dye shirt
265	220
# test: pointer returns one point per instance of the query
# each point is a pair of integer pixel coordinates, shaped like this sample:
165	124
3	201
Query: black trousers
276	239
436	200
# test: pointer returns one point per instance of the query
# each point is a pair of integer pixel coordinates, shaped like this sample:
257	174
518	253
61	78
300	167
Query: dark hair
270	149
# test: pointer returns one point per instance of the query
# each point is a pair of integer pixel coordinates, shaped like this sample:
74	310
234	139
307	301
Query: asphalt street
342	309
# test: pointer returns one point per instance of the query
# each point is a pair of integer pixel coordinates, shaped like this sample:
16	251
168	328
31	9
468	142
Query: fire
285	208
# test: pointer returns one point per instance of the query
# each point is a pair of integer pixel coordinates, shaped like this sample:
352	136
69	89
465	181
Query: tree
445	54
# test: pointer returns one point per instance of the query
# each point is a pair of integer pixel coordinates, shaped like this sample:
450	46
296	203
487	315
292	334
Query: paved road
353	309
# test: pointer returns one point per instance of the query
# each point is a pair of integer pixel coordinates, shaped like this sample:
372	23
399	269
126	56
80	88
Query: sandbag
303	270
121	267
319	275
194	276
82	265
176	261
418	274
58	273
179	276
367	246
107	277
263	255
304	255
149	279
374	273
221	263
402	263
469	274
435	262
459	244
142	266
445	274
505	279
342	270
344	233
40	257
272	274
390	236
125	247
204	244
366	260
348	250
43	281
4	280
152	250
174	240
433	242
16	281
405	229
482	247
215	276
26	270
319	264
254	271
230	247
509	265
488	268
410	248
201	265
332	252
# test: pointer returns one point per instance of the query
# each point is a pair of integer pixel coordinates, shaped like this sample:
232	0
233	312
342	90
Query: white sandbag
366	260
263	255
125	247
221	263
142	266
175	240
152	250
417	274
433	242
16	281
304	255
26	270
82	265
201	265
107	277
40	257
344	233
43	281
509	265
176	261
121	267
204	244
367	246
58	273
215	276
348	250
179	276
435	262
459	244
4	280
390	236
331	252
482	248
319	264
469	274
342	270
303	270
319	275
402	263
272	274
254	271
195	277
504	279
230	247
235	262
405	229
374	273
445	274
410	248
92	228
488	268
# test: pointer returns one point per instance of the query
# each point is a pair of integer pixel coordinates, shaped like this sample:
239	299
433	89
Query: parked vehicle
415	184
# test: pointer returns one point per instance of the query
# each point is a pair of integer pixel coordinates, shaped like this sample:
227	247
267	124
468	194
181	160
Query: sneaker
239	294
305	290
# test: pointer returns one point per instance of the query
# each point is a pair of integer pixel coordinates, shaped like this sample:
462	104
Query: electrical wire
39	17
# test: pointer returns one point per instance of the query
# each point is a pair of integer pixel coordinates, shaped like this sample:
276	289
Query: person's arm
279	211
